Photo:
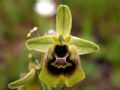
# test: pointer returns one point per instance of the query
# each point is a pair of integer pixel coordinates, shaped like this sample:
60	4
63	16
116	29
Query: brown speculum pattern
61	64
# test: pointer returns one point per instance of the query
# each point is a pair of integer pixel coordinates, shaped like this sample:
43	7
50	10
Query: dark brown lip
60	61
64	67
60	51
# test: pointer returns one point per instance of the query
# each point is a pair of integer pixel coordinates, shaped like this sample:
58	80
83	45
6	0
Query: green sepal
28	78
34	85
84	46
23	88
40	44
63	20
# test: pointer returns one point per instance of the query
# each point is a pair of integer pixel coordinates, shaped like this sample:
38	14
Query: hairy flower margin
61	63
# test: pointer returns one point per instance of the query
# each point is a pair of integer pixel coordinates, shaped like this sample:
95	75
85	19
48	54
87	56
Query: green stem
62	88
64	2
54	89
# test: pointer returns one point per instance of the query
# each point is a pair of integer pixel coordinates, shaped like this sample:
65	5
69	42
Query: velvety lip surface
62	65
60	62
60	51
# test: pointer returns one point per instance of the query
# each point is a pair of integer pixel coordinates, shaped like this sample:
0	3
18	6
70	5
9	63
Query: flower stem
64	2
58	88
62	88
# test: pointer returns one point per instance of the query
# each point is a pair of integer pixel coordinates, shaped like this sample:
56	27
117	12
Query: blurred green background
95	20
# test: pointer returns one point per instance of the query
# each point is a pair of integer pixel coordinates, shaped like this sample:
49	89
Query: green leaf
28	78
63	20
84	46
40	44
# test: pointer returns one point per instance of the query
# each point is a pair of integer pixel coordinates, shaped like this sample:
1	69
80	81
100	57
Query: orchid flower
61	64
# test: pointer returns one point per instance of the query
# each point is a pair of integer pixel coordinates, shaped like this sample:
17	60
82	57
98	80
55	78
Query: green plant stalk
62	88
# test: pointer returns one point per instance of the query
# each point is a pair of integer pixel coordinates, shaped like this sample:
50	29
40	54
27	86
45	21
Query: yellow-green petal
22	88
78	76
28	78
84	46
48	79
34	85
63	20
40	44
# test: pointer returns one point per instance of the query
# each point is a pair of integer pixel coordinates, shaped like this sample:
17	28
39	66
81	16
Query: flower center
60	62
60	51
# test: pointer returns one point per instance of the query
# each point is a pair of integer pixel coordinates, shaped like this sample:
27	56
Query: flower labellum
62	67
